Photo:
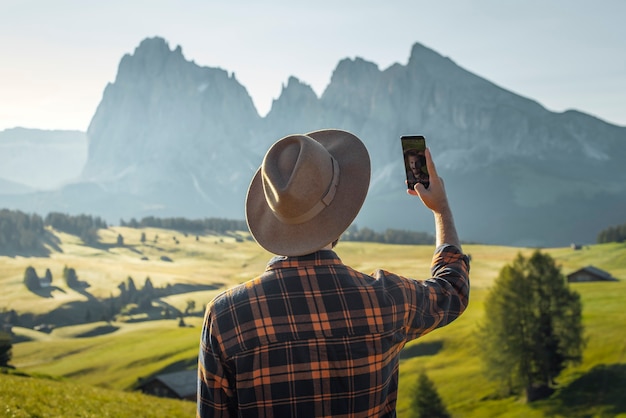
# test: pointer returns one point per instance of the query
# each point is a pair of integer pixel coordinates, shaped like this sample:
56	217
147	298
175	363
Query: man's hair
412	152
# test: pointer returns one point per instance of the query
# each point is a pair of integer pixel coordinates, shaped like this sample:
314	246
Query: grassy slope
33	397
134	350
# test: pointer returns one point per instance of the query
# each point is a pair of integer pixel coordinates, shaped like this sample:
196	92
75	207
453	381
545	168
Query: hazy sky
58	55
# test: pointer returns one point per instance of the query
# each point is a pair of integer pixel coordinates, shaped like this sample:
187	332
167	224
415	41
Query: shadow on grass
421	349
46	292
40	248
599	392
101	330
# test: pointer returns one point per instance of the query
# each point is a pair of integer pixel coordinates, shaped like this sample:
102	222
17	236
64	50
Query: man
312	337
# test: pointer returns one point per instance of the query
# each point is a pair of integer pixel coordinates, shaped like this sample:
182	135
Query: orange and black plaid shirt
312	337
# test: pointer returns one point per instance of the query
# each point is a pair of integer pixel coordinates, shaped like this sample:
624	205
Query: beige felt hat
307	191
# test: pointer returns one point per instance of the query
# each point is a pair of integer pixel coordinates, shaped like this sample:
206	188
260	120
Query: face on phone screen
413	148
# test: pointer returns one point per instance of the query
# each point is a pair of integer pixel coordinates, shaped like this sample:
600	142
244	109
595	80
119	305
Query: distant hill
172	138
39	159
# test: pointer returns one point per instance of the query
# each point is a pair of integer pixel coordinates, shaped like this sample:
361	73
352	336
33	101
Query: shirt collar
319	258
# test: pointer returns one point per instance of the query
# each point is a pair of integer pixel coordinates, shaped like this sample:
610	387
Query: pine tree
131	290
426	402
31	280
533	326
71	279
48	276
6	349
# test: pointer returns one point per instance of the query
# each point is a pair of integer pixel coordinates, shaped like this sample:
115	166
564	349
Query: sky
58	55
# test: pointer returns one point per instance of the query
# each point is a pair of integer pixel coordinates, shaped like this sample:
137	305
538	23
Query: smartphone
414	147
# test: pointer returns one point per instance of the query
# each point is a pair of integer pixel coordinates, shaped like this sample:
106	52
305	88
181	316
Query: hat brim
308	237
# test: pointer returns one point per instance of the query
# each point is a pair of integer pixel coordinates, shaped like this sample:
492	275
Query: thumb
419	188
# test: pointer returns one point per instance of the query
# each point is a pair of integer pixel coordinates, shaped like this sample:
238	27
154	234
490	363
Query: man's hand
435	199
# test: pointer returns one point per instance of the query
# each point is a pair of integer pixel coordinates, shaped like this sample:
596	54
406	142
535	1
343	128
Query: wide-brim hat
307	191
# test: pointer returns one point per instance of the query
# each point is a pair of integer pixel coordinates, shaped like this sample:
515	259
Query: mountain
172	138
38	159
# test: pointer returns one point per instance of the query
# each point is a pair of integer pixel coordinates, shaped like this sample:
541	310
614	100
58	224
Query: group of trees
390	236
129	294
221	226
33	282
194	226
612	234
23	232
133	300
20	231
83	226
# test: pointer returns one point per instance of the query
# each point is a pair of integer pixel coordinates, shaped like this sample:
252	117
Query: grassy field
22	397
115	355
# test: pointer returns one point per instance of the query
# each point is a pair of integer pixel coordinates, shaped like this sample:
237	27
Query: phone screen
413	147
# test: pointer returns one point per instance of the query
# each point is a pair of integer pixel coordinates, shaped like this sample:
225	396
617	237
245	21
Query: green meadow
91	369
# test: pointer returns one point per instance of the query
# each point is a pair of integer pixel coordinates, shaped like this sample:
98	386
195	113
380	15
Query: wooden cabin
590	274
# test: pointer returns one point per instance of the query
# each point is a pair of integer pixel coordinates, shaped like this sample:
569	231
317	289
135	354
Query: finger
419	188
430	164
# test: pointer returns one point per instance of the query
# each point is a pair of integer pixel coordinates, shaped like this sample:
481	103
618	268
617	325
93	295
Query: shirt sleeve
439	300
215	395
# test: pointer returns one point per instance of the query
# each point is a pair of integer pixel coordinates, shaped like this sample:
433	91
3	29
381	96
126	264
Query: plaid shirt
312	337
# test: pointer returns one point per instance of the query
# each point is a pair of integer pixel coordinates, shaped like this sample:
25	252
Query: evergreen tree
148	288
71	279
426	402
123	293
6	349
533	326
120	240
191	305
143	237
131	290
48	276
31	280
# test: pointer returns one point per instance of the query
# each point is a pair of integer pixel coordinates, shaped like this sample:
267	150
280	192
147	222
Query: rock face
167	129
171	138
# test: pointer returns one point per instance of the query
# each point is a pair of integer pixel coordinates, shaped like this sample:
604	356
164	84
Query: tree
71	279
532	328
143	237
191	305
131	290
426	402
148	288
31	280
6	349
120	240
48	276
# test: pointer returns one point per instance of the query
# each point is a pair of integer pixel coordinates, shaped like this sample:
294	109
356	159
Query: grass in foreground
22	396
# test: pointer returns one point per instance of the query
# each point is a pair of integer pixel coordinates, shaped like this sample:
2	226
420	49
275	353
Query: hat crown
299	178
307	191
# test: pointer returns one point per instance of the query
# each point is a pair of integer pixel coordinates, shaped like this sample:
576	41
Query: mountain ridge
172	138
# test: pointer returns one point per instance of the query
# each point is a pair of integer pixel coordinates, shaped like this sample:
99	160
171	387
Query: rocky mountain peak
151	58
171	138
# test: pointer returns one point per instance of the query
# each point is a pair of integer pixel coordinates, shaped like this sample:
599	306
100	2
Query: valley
113	355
